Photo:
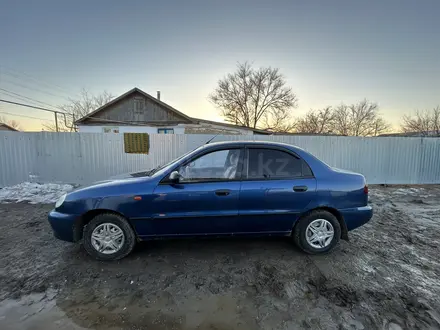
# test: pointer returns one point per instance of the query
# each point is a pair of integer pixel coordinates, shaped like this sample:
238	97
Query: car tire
122	245
304	230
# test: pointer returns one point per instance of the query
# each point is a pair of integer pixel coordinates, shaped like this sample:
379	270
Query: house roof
191	120
131	91
255	130
8	127
413	134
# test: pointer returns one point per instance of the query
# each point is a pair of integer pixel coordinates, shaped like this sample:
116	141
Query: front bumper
63	225
356	217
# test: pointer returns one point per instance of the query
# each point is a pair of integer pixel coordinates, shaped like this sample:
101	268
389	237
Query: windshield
163	168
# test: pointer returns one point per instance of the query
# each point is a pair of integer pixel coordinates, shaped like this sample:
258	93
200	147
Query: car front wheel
317	232
108	237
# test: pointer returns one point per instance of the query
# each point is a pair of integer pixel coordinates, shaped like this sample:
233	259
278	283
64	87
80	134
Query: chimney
158	95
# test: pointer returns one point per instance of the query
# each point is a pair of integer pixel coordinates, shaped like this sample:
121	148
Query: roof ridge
131	91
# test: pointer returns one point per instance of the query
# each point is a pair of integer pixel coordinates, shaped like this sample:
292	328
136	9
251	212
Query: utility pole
73	128
43	109
56	121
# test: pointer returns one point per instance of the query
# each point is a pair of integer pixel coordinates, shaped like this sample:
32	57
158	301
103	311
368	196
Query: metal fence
87	157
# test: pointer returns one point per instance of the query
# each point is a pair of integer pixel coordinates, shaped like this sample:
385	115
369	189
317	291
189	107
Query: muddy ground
386	277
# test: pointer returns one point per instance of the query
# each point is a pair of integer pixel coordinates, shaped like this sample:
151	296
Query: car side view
219	189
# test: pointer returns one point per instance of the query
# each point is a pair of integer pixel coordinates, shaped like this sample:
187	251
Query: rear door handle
300	188
222	192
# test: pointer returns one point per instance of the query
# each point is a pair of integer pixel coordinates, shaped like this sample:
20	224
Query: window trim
165	180
111	128
165	129
137	102
244	172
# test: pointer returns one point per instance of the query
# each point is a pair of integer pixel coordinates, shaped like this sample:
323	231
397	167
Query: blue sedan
218	189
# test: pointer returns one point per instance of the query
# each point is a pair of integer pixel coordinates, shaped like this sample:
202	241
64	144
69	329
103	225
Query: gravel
386	277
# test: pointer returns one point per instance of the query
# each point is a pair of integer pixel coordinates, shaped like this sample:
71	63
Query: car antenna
207	142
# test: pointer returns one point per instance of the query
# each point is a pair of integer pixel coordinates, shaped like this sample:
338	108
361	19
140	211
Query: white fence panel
87	157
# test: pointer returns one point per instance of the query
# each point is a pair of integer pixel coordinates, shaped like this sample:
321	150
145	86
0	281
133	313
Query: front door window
221	165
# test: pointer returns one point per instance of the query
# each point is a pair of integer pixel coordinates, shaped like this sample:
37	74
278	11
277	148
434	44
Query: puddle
35	311
52	310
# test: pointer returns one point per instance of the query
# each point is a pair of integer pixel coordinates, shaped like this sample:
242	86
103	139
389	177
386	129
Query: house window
110	129
139	104
165	130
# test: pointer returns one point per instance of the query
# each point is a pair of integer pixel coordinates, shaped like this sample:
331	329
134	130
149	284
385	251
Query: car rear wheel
317	232
108	237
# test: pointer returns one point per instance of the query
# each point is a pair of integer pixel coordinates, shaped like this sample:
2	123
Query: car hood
130	175
116	179
111	187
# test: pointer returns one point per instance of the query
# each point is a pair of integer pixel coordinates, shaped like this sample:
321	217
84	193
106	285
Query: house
5	127
413	134
138	112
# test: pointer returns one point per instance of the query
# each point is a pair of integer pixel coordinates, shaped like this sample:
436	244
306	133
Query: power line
43	109
35	89
14	114
65	113
16	97
16	74
26	97
34	107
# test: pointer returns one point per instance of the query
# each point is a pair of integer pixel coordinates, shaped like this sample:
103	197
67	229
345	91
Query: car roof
241	142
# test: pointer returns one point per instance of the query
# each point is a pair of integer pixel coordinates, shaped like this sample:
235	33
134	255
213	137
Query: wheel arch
336	213
88	216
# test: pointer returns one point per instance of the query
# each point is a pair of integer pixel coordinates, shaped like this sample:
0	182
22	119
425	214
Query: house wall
135	108
178	129
128	129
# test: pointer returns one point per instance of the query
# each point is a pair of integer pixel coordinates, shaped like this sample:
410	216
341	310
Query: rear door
277	186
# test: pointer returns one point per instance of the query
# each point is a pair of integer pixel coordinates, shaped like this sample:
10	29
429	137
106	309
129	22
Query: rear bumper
62	225
357	217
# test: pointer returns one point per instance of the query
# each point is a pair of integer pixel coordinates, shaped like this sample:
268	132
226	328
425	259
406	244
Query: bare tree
78	108
360	119
13	123
380	126
257	98
278	121
426	123
316	121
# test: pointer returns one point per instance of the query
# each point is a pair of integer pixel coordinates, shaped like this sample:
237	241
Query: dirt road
386	277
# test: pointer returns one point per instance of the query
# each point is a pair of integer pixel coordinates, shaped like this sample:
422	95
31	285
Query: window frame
244	172
137	103
165	129
166	181
111	128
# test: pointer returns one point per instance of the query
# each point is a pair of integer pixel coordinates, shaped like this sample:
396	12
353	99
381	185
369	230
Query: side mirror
175	176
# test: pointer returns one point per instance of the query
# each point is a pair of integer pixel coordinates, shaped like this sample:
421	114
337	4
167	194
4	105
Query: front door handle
300	188
222	192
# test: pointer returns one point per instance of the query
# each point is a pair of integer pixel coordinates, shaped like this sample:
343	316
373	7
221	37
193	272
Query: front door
204	201
277	186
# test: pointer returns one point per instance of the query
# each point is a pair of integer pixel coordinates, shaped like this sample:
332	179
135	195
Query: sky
329	51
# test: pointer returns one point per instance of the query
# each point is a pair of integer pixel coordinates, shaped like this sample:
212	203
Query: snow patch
412	192
34	193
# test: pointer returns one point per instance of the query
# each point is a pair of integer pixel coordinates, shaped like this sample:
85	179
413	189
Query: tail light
366	189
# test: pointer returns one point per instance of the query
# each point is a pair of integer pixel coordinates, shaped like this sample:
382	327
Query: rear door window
266	164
